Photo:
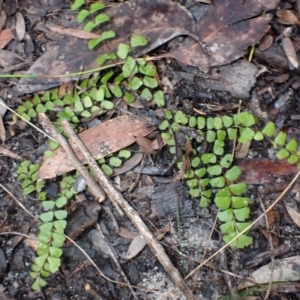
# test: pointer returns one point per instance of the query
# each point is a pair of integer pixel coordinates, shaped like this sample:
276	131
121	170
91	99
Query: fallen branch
95	189
116	196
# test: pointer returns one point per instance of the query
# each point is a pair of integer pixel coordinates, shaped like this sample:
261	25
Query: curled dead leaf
221	28
284	270
287	17
290	52
20	26
265	42
295	216
146	145
242	150
5	37
136	246
129	164
32	243
126	233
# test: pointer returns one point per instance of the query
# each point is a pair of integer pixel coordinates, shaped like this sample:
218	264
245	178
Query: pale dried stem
18	202
51	129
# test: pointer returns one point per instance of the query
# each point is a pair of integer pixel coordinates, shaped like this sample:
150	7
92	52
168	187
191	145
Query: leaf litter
159	21
228	28
70	42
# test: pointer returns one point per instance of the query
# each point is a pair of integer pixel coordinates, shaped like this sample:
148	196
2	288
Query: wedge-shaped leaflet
241	242
269	129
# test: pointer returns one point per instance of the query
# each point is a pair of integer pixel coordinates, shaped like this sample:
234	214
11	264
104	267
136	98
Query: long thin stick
116	196
50	128
18	202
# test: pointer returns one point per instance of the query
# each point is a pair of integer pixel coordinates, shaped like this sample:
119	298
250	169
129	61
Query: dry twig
271	247
116	196
93	186
18	202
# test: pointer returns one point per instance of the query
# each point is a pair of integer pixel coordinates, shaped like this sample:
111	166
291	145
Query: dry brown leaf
8	58
9	153
284	270
295	216
129	164
126	233
265	42
5	37
146	145
165	21
289	51
263	170
136	246
32	243
20	26
73	32
275	240
287	17
104	139
228	27
65	89
271	215
159	235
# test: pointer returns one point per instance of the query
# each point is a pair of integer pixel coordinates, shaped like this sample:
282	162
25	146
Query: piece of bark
263	170
116	196
237	78
81	218
3	265
169	201
266	256
100	241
